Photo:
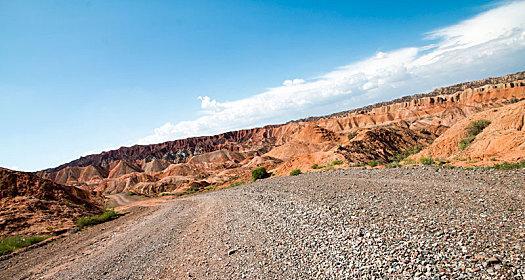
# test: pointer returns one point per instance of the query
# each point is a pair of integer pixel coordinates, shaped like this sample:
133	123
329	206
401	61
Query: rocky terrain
502	140
32	205
374	133
402	223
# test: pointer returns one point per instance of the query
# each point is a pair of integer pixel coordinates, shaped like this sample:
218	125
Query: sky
81	77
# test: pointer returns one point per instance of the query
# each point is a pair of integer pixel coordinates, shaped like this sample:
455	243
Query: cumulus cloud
490	43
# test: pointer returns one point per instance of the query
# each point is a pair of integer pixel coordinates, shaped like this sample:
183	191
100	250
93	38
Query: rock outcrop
502	140
32	205
375	132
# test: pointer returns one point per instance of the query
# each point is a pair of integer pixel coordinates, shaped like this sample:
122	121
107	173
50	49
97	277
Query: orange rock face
435	120
503	140
32	205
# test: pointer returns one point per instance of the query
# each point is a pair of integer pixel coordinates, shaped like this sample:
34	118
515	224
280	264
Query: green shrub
166	194
465	142
10	244
97	219
373	163
295	172
351	135
235	184
473	129
399	157
316	166
259	173
426	160
394	164
336	162
509	166
193	189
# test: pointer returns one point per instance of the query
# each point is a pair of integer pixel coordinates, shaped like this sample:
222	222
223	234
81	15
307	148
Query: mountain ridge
379	132
173	144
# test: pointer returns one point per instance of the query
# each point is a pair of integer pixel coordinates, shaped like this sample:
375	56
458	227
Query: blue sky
79	77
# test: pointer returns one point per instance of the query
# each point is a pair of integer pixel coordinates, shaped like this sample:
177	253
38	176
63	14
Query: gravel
403	223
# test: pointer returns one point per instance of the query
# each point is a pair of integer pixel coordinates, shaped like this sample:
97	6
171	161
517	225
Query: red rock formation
502	140
380	130
32	205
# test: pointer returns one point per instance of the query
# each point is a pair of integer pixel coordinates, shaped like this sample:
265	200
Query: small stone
479	257
493	261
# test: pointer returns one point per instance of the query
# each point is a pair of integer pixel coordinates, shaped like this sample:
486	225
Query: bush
295	172
336	162
316	166
235	184
426	160
97	219
373	163
351	135
394	164
513	100
10	244
509	166
259	173
405	154
473	129
464	143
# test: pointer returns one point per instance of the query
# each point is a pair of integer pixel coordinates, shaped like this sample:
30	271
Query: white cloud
490	43
293	82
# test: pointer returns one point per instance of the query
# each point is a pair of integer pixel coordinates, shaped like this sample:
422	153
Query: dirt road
422	223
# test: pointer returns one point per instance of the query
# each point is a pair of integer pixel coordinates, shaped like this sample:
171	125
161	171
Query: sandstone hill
502	140
32	205
374	133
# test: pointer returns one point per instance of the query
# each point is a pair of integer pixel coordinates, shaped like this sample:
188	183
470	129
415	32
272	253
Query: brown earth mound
32	205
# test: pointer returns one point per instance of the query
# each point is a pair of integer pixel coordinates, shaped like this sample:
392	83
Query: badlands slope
32	205
435	121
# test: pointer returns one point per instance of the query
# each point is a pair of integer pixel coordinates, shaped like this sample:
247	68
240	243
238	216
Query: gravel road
405	223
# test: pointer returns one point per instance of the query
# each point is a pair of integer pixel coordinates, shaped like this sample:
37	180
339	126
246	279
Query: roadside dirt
419	222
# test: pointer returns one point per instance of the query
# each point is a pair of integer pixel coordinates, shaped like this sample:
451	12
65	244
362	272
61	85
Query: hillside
32	205
373	133
502	140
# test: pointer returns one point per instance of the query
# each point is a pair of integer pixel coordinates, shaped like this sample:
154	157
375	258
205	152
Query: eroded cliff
375	132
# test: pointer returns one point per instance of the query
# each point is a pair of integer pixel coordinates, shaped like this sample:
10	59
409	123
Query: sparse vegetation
402	157
426	161
513	100
295	172
10	244
329	165
509	166
373	163
165	194
399	157
474	128
351	135
235	184
336	162
259	173
394	164
193	189
97	219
